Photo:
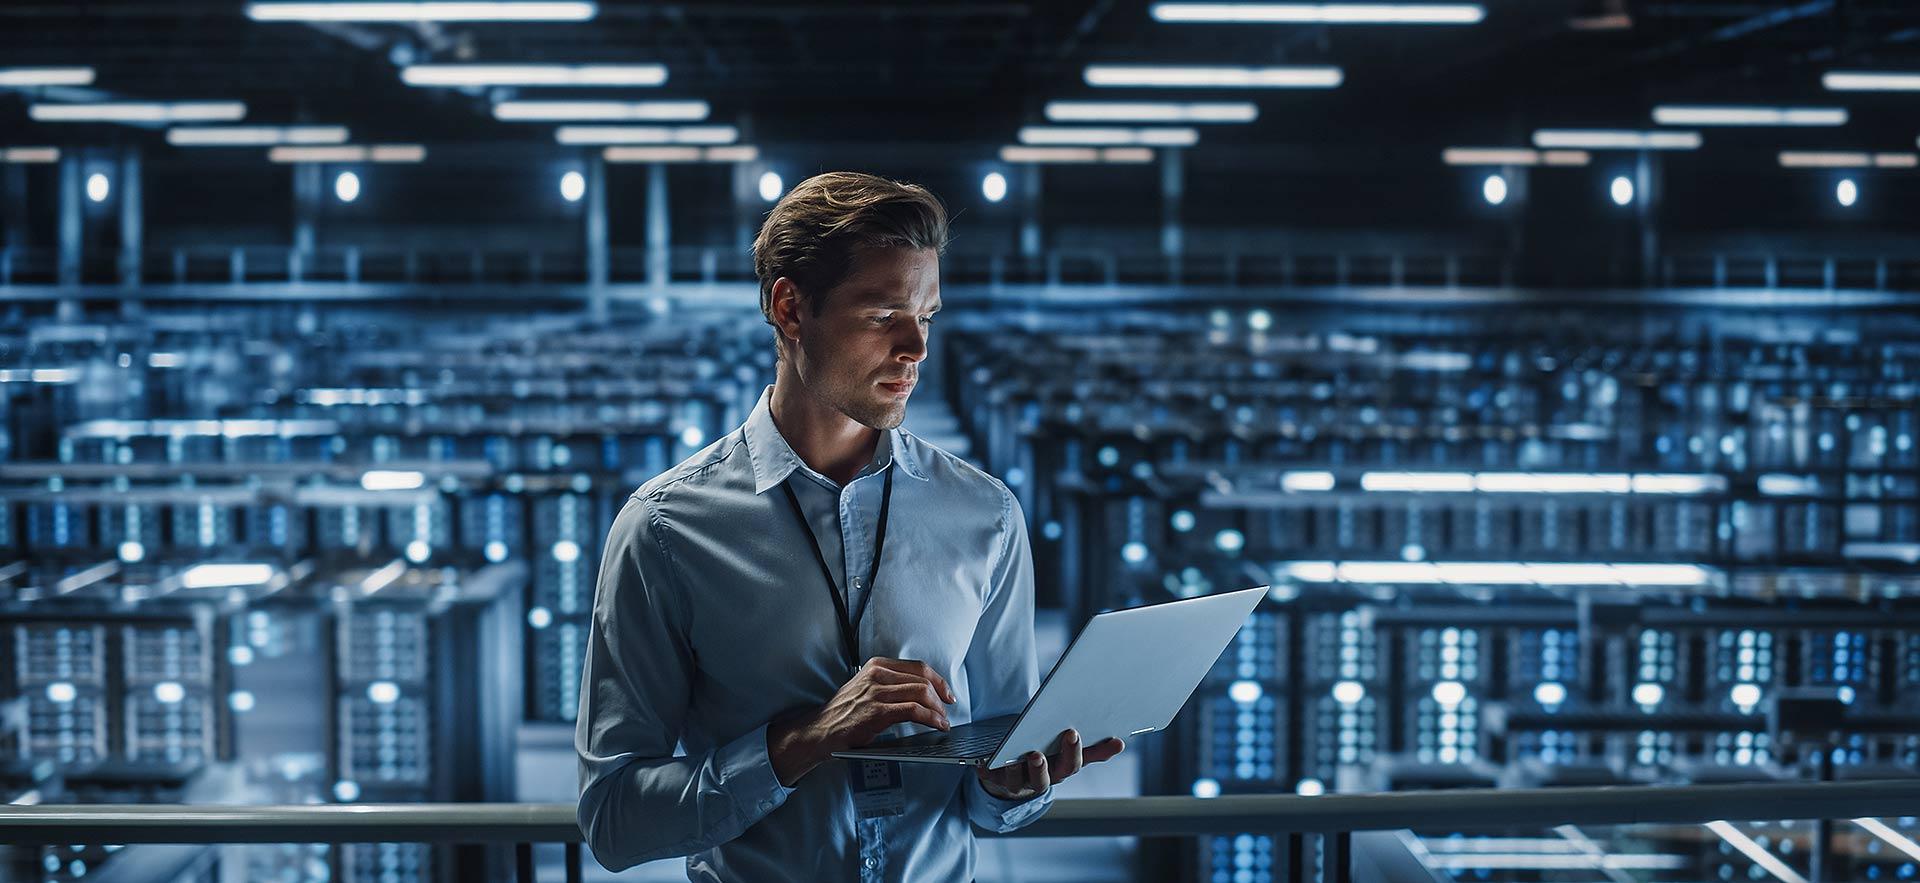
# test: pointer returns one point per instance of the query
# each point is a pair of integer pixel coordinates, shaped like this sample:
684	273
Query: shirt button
871	863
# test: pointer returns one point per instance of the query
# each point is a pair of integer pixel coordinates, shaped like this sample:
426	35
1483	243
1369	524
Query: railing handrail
1465	810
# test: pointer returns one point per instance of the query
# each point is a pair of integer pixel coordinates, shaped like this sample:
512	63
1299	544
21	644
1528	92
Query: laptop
1127	673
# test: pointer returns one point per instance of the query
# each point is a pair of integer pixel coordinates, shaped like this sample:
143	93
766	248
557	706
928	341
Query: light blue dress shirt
711	619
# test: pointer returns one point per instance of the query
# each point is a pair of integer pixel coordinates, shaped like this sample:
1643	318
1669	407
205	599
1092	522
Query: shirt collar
774	459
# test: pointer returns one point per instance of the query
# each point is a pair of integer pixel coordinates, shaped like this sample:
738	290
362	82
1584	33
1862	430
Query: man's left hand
1034	774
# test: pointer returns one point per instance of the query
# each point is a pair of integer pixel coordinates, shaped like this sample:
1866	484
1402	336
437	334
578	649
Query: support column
15	190
596	232
1646	187
1030	210
746	195
659	236
71	232
132	225
306	210
1173	187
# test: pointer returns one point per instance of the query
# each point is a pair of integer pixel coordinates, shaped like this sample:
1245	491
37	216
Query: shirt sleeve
1002	671
638	802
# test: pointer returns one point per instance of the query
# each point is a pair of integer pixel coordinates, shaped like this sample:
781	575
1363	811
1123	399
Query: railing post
237	266
1397	270
523	862
6	266
1233	269
353	264
1336	857
1453	270
1773	272
709	266
1880	274
1053	268
1296	857
179	267
573	862
1340	269
1719	271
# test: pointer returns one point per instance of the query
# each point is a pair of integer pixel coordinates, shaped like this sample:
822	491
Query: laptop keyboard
961	746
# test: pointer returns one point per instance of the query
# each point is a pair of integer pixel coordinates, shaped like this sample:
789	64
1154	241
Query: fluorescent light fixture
391	480
1307	480
731	153
30	154
601	111
1776	484
1719	115
408	153
27	77
1865	81
1025	154
1905	553
1611	139
255	136
534	74
384	577
1499	573
1459	863
1321	13
1152	112
1109	136
1214	77
1898	840
1661	483
1834	159
597	135
139	112
434	10
219	576
1755	853
1484	573
1513	156
1456	482
1553	482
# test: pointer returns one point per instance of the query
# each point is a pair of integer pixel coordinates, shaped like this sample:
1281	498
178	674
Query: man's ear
787	306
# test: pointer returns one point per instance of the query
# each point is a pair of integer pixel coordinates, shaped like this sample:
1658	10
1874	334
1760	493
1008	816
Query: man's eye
926	320
882	320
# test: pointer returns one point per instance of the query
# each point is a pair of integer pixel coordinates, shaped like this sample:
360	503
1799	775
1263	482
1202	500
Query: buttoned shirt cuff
747	768
1001	815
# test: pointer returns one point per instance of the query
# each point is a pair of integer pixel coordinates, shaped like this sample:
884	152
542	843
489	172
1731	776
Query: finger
1037	777
897	712
1105	749
939	683
1067	760
916	669
920	692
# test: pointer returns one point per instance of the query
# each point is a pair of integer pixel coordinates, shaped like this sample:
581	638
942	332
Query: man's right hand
883	693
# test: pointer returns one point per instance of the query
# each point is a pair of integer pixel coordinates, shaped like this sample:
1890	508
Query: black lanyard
849	636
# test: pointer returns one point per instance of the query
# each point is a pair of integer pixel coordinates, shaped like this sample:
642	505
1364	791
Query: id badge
877	790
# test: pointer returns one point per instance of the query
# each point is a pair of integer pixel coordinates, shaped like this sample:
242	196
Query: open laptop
1128	672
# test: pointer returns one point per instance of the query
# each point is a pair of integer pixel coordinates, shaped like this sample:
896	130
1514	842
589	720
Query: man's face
861	355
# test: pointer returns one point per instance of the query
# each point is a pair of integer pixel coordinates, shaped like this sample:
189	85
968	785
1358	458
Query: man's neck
825	439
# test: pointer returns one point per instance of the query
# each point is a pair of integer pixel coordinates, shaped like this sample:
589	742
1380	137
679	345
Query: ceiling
964	76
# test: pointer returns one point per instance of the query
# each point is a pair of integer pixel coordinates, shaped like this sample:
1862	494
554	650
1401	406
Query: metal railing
1433	268
1333	817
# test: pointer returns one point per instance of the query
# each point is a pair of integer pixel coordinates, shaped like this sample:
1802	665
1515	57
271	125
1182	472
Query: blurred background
1555	361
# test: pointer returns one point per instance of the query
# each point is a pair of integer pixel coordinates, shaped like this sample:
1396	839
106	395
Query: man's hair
814	232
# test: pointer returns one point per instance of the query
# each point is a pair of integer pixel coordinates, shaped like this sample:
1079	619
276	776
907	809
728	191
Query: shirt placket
856	536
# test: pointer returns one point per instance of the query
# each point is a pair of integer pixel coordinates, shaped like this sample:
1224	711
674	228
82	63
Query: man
815	579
